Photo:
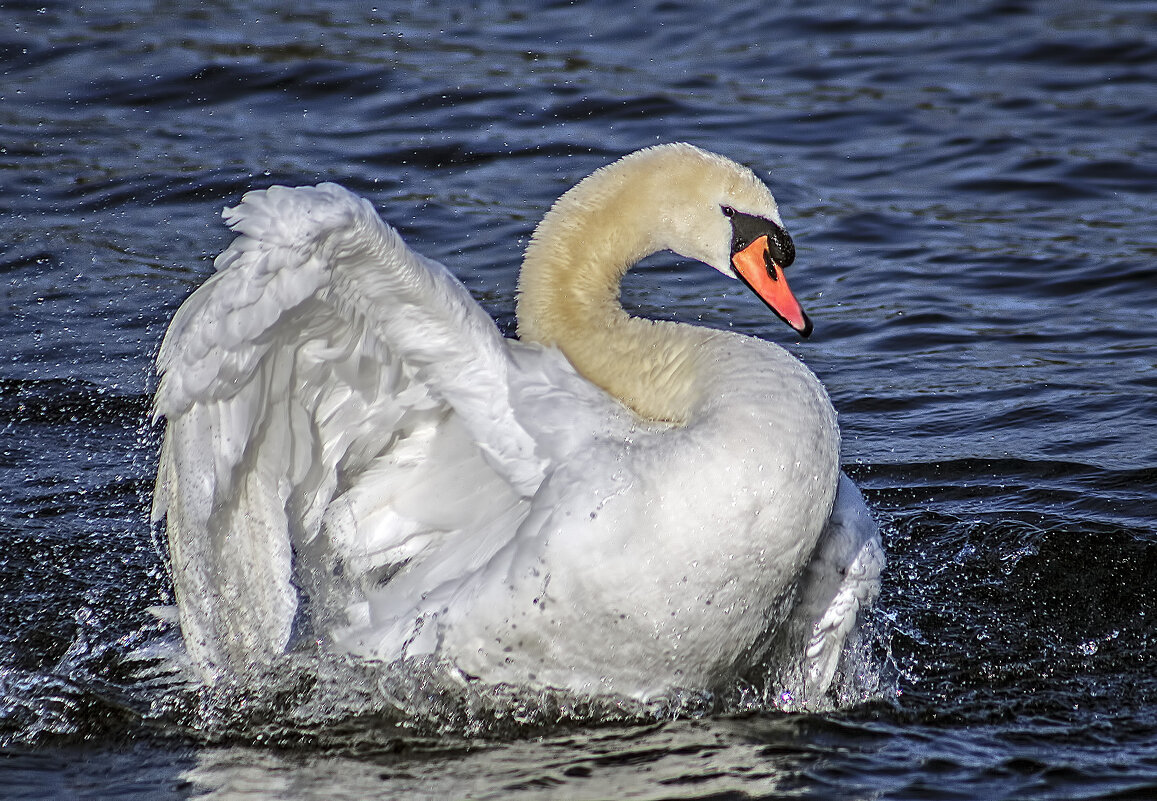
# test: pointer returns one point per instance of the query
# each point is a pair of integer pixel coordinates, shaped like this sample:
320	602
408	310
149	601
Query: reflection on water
605	763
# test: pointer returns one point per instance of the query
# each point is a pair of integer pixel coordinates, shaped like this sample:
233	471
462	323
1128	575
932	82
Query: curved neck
568	297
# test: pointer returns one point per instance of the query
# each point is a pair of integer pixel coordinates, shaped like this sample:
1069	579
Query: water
970	190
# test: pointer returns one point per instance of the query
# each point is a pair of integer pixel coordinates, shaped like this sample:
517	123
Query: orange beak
759	271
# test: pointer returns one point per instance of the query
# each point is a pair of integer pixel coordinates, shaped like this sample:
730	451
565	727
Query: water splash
143	684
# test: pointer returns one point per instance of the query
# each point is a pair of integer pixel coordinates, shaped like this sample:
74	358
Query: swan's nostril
771	265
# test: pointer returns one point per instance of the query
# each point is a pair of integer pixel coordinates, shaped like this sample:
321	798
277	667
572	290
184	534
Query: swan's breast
674	547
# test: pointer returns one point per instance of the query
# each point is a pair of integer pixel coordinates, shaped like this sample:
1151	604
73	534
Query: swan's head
668	197
718	212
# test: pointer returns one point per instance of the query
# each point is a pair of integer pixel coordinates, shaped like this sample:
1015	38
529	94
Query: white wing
842	578
322	357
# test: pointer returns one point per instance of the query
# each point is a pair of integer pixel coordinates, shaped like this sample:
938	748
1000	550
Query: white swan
354	454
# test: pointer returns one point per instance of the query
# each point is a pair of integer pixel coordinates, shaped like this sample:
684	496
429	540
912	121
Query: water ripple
970	187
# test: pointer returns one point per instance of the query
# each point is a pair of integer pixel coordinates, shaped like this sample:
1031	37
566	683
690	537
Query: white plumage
354	454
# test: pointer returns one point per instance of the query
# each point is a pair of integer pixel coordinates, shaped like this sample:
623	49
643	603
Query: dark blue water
971	191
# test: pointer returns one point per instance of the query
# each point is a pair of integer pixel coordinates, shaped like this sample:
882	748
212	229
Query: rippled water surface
970	188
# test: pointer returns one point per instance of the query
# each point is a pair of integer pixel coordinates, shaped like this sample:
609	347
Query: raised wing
322	361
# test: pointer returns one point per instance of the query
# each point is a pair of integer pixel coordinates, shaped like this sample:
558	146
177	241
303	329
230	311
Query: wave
1000	616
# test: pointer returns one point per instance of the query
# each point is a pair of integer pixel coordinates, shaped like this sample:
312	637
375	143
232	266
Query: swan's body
354	453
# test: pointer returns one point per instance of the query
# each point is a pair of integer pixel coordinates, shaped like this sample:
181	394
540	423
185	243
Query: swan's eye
728	211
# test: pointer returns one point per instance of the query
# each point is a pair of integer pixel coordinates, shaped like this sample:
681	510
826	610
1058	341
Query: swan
353	454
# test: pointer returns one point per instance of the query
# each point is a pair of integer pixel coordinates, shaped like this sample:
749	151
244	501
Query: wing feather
289	382
842	579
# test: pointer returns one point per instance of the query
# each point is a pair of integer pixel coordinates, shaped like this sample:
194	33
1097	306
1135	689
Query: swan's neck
569	297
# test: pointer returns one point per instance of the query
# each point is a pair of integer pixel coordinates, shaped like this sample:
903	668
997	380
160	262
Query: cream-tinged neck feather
665	197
